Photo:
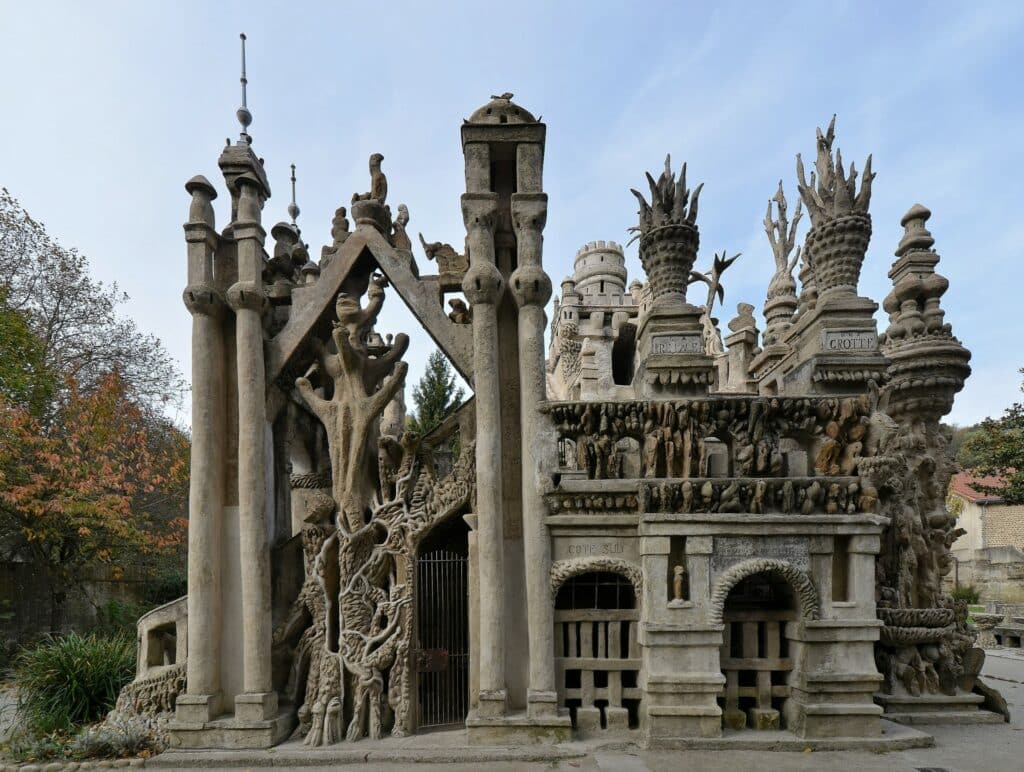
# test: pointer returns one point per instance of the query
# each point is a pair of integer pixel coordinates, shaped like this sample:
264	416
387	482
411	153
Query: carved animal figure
460	313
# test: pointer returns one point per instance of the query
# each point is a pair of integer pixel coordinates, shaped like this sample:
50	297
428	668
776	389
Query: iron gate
442	623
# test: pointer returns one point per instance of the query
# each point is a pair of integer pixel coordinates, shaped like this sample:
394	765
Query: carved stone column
483	286
531	288
259	701
206	484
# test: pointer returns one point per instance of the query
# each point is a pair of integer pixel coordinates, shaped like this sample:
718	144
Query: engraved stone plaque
677	344
849	341
595	547
731	550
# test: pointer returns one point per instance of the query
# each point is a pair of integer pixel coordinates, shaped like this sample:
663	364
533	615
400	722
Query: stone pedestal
833	349
671	355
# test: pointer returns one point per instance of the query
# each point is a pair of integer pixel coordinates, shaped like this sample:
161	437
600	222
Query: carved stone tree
363	387
781	302
355	566
349	631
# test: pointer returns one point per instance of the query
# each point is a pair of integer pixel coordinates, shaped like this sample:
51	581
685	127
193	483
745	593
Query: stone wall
997	573
25	606
1003	526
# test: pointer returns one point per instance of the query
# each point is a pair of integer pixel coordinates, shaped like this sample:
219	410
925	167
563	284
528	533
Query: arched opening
755	657
597	658
440	656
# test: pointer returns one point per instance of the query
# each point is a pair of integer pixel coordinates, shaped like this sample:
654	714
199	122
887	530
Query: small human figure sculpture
652	444
757	503
399	237
687	494
788	497
378	183
460	313
707	494
679	583
849	459
832	499
643	498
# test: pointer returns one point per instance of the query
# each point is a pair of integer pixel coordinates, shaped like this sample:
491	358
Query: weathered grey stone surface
675	535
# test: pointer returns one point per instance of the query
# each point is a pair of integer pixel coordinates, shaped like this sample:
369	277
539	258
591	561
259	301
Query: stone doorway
755	654
597	658
440	657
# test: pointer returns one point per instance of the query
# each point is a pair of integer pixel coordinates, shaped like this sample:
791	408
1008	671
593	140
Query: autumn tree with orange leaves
70	495
93	473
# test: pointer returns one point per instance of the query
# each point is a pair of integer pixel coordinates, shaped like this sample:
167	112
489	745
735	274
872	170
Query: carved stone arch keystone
563	570
807	595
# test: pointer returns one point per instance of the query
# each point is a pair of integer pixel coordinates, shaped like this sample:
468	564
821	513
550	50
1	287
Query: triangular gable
314	314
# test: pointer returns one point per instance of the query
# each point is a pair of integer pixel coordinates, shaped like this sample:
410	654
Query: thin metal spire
243	114
293	208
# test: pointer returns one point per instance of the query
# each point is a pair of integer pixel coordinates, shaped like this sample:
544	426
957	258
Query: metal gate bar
442	625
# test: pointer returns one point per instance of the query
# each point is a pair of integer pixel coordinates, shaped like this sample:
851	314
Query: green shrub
967	593
70	680
114	739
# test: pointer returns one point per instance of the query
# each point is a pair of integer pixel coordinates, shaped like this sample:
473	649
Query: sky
108	108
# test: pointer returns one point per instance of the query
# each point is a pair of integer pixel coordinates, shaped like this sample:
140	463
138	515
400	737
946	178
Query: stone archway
562	570
803	587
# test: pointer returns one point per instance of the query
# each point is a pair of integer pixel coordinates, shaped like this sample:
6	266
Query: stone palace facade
661	529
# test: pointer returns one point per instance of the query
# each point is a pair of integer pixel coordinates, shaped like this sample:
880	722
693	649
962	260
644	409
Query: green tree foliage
79	331
435	396
24	381
92	471
997	448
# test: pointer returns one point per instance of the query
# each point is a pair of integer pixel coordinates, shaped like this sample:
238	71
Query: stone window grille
597	658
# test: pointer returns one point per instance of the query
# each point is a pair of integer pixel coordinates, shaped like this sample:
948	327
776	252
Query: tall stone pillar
531	288
202	702
258	702
483	286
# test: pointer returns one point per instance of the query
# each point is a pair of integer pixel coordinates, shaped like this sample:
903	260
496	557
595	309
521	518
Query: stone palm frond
832	192
671	203
714	278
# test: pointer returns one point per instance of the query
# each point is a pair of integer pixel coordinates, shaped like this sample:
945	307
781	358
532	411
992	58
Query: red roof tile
963	486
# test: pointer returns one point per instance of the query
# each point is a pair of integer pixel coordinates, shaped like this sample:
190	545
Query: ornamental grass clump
64	682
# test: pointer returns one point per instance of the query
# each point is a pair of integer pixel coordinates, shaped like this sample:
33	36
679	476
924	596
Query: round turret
600	269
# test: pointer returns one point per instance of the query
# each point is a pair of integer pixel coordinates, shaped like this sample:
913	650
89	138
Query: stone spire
239	160
928	364
243	114
293	208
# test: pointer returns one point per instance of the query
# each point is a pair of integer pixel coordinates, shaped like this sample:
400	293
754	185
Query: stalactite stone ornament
668	234
840	223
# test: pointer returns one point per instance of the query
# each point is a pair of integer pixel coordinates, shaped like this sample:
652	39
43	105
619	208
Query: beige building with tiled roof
991	554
